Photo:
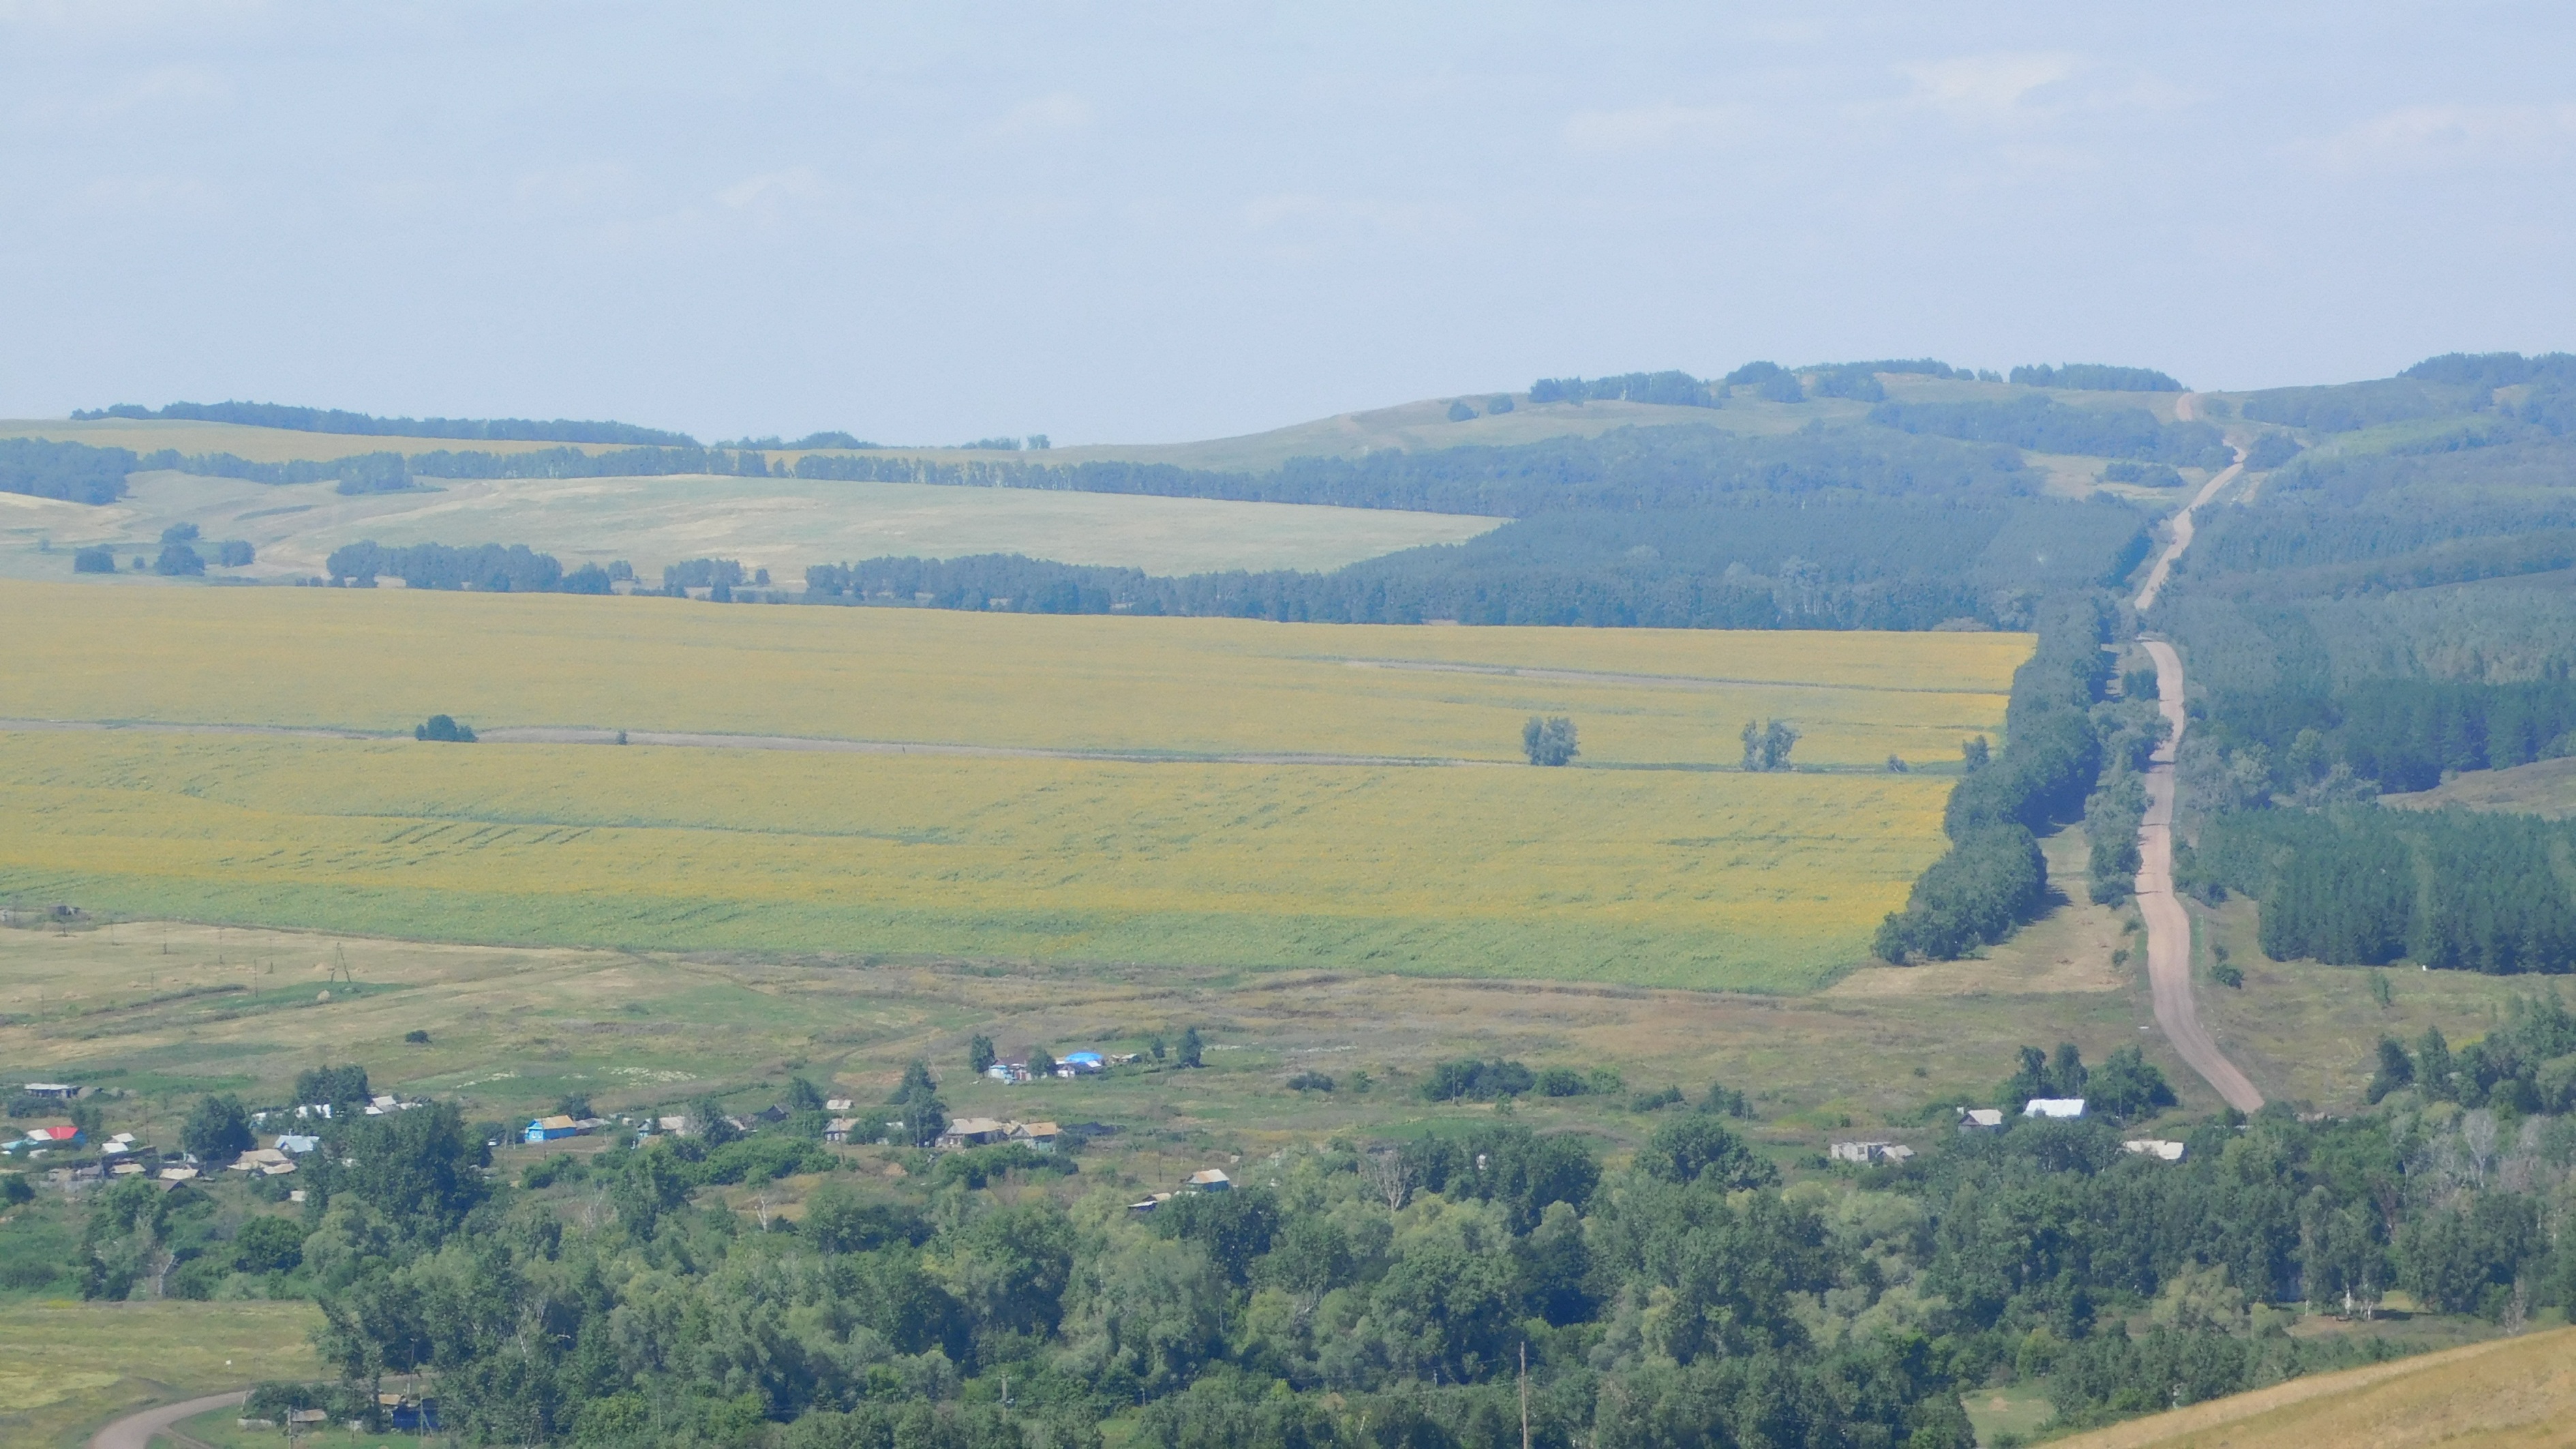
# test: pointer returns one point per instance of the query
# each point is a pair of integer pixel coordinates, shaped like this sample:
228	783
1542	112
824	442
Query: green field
1278	804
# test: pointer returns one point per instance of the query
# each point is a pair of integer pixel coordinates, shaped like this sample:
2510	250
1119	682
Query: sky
1143	223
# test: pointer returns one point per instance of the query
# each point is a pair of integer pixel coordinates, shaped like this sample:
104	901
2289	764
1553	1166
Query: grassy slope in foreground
68	1368
2518	1392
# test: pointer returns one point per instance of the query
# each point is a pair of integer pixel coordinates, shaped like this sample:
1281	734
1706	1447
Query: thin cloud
1989	87
1056	111
1653	128
771	191
2441	136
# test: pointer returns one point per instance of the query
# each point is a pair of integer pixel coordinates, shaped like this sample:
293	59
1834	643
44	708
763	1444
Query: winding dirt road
2168	926
136	1431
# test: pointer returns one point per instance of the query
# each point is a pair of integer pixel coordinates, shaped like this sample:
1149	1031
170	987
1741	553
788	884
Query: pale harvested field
780	524
2515	1393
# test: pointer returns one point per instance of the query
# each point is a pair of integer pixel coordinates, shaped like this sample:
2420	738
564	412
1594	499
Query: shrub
94	561
443	729
1310	1082
1687	1149
1476	1080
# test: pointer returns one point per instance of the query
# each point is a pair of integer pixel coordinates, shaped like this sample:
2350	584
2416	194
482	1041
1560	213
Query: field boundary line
1652	681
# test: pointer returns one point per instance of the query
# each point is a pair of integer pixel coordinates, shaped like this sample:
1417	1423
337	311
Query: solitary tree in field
1767	746
1191	1047
1549	741
979	1053
1777	740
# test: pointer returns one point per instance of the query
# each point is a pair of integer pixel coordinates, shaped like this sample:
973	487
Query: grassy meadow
68	1367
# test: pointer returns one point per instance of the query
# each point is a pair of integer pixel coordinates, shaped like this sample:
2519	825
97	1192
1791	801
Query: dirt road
2168	926
136	1431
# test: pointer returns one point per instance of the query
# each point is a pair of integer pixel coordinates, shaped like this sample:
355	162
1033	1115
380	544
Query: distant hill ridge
335	420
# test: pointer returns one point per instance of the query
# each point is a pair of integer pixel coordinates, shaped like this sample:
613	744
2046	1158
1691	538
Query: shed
59	1091
1981	1119
2155	1147
1212	1179
1084	1063
2059	1107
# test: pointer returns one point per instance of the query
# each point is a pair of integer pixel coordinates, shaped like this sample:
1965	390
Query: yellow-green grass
781	524
2546	787
1668	877
2513	1393
2308	1032
384	659
154	1013
67	1368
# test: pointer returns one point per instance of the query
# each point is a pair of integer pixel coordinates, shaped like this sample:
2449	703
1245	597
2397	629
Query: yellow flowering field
1687	878
381	660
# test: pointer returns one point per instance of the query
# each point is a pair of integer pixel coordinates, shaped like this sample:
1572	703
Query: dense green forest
2044	425
334	420
74	472
1761	564
2093	377
2390	609
1353	1293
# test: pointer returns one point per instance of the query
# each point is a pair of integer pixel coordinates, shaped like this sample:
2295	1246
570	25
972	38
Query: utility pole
1525	1439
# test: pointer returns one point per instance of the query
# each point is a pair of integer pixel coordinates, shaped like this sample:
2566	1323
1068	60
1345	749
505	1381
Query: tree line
336	420
2045	425
2362	885
2093	377
1992	879
1387	1293
486	568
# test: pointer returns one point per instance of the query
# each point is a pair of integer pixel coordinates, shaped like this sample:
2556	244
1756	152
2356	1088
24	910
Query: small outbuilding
1212	1179
2158	1148
2062	1108
1981	1119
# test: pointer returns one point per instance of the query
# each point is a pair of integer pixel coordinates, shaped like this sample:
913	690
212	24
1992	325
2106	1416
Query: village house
1865	1153
1038	1135
2062	1108
1981	1119
2155	1147
974	1132
839	1129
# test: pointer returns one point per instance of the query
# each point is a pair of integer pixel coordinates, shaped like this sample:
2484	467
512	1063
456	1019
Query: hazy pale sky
1136	223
